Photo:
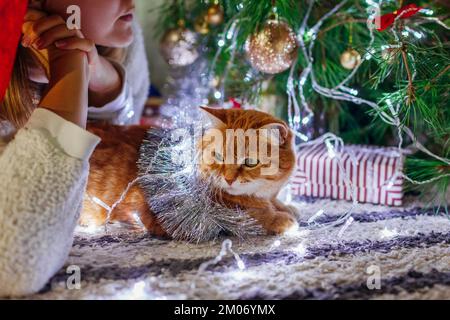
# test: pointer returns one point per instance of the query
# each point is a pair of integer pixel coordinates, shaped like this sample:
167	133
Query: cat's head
247	152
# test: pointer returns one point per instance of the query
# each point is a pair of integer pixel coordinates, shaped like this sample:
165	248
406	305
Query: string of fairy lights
300	115
334	144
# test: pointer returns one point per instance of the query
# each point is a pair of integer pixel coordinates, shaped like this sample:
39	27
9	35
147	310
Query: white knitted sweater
43	176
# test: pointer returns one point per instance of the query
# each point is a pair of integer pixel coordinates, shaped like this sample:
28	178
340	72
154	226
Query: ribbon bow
387	20
236	104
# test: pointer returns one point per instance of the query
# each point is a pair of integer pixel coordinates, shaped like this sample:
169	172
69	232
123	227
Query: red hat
12	13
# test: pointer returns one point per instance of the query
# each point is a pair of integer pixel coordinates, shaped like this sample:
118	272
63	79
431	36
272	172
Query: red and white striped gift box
372	173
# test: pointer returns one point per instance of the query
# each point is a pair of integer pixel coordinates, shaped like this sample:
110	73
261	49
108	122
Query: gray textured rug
400	253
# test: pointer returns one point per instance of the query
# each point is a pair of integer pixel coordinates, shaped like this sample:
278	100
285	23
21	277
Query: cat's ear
217	117
282	129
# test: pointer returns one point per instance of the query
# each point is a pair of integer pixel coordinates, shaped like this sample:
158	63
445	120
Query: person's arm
119	111
106	83
128	106
68	87
68	69
43	174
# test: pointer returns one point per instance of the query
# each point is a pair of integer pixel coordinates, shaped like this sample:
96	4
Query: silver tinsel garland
169	172
184	202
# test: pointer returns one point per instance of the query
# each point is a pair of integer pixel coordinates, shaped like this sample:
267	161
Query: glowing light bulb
418	35
91	229
302	136
310	34
388	234
369	54
331	152
101	203
241	265
428	12
345	227
300	250
130	114
230	32
137	219
138	291
306	120
315	216
354	92
217	95
303	81
239	275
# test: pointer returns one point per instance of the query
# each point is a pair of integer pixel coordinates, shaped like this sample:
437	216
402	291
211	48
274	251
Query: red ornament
405	12
236	104
12	13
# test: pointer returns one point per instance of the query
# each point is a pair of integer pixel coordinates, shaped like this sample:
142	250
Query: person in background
61	78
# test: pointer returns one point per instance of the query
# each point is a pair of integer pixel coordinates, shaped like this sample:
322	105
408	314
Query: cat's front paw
281	223
286	207
292	210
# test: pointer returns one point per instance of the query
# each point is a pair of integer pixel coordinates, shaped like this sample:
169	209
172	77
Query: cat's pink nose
230	181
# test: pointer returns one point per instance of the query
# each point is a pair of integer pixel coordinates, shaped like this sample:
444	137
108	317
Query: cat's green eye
251	163
218	157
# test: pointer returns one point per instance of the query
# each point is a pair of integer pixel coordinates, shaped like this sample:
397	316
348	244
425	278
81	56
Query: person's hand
49	38
66	69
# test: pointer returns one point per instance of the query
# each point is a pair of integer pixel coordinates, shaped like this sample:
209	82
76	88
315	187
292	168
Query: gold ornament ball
389	54
201	25
350	59
214	15
273	49
179	47
215	82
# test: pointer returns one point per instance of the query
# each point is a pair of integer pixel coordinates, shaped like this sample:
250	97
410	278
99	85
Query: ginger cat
241	183
112	168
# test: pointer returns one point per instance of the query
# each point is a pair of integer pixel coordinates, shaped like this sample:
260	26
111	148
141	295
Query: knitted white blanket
384	253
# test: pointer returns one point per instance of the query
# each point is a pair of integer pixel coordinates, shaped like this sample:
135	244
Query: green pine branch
407	71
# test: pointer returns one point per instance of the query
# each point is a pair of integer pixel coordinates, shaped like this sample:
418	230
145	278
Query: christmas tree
370	72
